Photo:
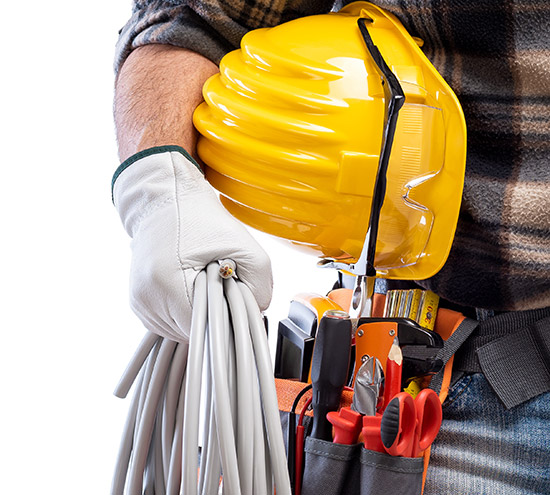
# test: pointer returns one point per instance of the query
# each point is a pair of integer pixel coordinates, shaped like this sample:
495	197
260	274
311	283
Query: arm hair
156	92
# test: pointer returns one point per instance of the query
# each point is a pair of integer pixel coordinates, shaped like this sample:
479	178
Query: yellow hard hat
297	127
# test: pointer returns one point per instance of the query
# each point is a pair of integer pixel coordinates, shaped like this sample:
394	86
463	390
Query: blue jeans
484	449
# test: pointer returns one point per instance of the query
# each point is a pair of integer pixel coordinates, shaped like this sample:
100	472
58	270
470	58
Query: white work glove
178	226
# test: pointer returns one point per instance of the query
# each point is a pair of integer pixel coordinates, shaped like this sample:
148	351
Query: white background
67	332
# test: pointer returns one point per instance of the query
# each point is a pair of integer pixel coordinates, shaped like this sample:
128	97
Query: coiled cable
227	362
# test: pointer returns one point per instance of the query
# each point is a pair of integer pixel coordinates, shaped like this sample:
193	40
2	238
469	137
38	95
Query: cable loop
222	378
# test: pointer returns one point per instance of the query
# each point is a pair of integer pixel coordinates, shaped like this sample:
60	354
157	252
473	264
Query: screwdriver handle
329	369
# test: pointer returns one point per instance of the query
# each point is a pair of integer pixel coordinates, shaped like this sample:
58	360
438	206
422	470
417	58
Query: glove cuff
149	151
149	179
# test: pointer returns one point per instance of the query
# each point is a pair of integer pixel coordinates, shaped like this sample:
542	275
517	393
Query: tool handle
399	425
347	425
329	370
429	415
371	433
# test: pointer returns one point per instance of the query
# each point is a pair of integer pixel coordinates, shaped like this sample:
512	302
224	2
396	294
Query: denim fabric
485	449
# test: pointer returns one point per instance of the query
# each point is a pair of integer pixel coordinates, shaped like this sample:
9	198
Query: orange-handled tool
347	425
371	433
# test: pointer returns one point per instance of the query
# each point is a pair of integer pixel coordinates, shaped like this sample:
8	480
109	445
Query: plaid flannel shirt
496	57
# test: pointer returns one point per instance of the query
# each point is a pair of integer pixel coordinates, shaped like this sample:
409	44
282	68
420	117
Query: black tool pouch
331	468
336	469
383	474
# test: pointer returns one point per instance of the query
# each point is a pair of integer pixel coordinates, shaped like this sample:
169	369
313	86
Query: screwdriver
329	369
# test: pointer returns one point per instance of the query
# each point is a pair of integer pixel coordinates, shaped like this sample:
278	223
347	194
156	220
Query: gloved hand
178	226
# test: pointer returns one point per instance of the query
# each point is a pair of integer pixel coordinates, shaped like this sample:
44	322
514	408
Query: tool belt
512	350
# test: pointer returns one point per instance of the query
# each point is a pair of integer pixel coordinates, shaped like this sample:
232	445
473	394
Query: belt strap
512	350
452	344
518	366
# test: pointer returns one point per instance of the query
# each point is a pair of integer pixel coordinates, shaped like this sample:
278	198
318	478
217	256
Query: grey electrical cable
193	386
126	443
171	398
149	366
149	478
245	373
158	466
224	420
260	466
229	346
206	444
148	369
209	480
268	471
243	437
268	392
174	471
213	465
135	364
146	423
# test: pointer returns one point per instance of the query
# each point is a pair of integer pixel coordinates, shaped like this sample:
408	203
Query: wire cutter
361	416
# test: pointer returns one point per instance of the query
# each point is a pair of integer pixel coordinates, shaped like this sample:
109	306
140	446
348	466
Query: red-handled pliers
347	425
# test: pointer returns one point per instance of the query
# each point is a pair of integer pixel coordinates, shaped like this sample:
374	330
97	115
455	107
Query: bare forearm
157	90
